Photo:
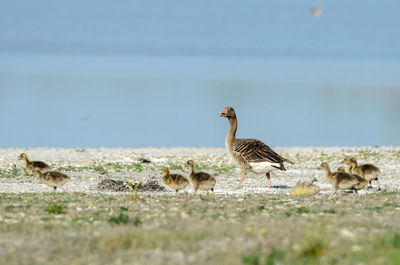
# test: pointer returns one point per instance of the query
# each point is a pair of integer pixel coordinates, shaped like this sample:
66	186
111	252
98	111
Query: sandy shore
88	166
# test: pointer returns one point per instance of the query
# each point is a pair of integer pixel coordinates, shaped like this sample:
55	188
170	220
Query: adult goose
250	154
31	165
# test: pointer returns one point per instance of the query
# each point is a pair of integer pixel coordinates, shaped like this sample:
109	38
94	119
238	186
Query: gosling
52	178
305	188
31	165
174	181
342	180
200	180
363	182
368	172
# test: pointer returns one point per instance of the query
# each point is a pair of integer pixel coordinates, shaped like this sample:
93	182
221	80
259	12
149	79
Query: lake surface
134	74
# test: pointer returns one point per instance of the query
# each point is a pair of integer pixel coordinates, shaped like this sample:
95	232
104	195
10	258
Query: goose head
228	112
352	162
166	171
347	160
324	166
190	163
22	156
314	180
341	169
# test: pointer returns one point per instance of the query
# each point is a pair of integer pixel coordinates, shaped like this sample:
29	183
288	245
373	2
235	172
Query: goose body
343	180
31	165
250	154
174	181
368	172
52	178
200	180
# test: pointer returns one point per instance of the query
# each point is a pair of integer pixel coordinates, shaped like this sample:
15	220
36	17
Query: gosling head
323	166
347	160
228	112
314	180
341	169
353	160
166	171
22	156
190	163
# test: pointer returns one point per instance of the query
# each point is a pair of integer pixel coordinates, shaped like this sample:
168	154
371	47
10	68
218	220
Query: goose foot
238	187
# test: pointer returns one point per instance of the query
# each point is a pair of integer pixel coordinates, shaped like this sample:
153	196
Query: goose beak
223	113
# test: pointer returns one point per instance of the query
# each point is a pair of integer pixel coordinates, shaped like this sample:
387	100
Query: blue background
156	73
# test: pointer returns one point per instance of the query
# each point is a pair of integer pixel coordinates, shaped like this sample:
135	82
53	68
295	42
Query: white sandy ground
307	159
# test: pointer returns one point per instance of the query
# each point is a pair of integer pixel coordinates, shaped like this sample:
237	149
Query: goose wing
253	150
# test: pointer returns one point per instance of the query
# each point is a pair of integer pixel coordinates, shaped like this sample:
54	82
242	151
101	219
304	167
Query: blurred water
86	74
141	101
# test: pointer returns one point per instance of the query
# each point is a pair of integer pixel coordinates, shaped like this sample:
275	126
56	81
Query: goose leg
369	185
379	185
268	180
240	182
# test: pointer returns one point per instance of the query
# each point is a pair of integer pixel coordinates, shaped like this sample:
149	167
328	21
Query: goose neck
232	129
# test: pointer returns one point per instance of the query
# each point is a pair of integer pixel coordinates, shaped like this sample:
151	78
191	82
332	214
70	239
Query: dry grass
159	228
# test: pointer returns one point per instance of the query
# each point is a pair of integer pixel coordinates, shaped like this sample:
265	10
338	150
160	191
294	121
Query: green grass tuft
119	219
137	221
302	209
55	208
252	259
329	211
123	208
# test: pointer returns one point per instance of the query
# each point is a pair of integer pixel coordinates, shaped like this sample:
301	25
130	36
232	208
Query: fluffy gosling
174	181
362	183
305	188
368	172
200	180
52	178
31	165
342	180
